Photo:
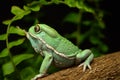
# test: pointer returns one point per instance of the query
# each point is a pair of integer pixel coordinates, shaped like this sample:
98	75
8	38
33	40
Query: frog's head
39	29
36	34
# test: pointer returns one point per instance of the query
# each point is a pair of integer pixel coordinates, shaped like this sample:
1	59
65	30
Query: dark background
112	31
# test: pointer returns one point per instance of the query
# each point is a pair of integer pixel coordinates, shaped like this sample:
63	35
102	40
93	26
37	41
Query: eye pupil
37	28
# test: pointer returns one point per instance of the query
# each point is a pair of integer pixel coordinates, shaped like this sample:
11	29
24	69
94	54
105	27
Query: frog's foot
86	56
85	65
39	76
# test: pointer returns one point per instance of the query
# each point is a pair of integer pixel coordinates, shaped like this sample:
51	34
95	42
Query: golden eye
37	28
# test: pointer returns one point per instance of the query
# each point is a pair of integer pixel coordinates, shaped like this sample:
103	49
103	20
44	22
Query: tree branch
106	67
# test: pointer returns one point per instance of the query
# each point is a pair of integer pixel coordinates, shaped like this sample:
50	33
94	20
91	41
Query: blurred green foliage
25	65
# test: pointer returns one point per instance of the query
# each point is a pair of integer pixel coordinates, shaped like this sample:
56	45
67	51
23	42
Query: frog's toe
38	76
85	65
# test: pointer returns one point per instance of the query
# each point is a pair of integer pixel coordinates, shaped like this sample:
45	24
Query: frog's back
66	47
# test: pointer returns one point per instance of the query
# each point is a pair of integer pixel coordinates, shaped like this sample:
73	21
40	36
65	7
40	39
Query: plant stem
78	27
8	48
7	44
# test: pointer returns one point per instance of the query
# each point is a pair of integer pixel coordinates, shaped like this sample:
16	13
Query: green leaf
19	13
70	3
16	10
5	78
103	47
8	68
45	2
72	17
81	5
53	1
13	30
96	52
26	7
27	73
3	37
17	30
16	43
17	17
101	24
19	58
95	40
6	22
34	6
87	23
5	51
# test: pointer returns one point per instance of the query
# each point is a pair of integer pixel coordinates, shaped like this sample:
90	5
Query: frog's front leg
45	65
86	56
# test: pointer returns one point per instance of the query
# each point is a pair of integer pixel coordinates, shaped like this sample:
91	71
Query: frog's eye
37	28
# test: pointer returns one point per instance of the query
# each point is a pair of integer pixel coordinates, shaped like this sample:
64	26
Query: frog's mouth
28	35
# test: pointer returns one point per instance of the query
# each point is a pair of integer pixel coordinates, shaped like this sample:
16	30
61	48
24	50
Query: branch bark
106	67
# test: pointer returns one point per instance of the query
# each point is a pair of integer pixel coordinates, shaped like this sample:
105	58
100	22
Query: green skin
56	49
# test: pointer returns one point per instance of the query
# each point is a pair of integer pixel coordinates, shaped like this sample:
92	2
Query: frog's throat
50	47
